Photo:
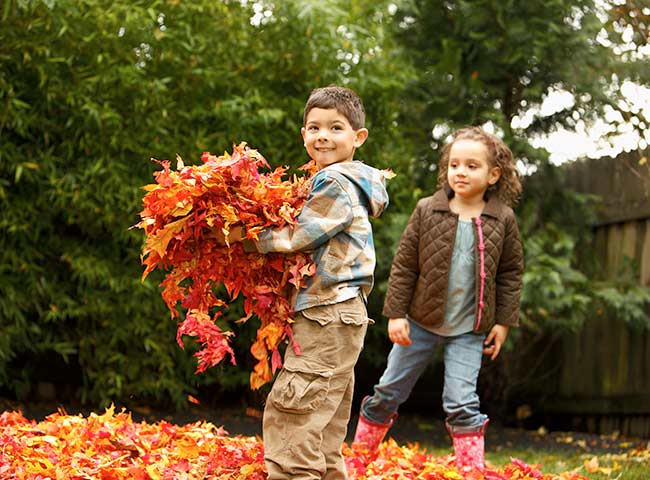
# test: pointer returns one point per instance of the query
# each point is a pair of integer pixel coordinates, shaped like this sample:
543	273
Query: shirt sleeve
509	276
405	269
327	211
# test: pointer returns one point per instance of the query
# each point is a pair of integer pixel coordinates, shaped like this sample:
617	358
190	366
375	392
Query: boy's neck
337	163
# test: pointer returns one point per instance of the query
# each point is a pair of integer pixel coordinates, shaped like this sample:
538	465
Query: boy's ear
494	175
360	136
302	132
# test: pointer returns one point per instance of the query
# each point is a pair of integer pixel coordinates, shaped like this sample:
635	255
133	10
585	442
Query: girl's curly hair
508	187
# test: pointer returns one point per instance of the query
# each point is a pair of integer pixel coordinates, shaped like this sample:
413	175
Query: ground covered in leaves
114	446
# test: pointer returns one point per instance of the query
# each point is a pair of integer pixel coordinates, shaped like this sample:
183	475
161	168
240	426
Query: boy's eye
312	128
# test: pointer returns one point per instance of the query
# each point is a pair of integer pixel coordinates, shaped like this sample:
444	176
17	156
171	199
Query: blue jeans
462	359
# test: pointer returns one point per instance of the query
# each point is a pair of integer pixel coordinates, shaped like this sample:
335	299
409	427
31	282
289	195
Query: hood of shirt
371	181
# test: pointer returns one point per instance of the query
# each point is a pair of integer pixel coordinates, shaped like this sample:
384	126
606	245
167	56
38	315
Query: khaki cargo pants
307	411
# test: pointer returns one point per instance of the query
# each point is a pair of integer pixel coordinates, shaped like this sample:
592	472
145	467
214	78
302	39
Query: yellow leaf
159	242
592	466
154	472
182	210
247	470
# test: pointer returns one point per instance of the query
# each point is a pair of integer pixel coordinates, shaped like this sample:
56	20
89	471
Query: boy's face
329	137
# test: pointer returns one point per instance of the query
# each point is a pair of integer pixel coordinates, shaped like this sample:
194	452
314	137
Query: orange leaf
181	217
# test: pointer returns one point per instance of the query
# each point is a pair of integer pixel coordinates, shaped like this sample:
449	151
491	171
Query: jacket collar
494	207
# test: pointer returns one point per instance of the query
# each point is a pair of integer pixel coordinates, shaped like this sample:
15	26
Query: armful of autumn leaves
181	213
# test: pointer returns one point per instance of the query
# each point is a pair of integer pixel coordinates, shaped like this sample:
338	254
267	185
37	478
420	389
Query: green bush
89	91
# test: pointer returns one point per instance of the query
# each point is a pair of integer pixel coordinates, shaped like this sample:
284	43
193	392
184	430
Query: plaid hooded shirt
335	229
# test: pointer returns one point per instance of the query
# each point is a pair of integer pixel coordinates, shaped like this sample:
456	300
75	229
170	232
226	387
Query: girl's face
469	172
329	137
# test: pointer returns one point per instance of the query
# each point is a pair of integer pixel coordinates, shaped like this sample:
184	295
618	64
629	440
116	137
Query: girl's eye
312	128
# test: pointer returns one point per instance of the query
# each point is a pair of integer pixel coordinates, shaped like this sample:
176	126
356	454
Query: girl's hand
495	340
399	331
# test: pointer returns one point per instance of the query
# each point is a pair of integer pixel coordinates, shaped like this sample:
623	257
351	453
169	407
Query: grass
607	466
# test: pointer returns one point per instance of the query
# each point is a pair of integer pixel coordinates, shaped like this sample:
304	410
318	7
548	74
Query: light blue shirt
461	294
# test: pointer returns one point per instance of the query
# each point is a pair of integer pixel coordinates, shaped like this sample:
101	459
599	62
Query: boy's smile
329	137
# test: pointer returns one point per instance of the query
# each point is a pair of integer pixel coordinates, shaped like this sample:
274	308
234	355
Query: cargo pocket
321	314
298	390
354	318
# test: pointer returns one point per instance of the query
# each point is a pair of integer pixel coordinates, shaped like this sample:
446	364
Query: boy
308	408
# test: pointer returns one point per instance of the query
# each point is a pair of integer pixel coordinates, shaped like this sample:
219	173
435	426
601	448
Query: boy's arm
327	211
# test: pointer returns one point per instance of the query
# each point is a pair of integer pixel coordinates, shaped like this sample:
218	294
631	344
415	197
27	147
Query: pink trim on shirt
481	248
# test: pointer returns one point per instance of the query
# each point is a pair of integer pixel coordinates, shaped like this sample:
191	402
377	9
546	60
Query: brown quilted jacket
419	274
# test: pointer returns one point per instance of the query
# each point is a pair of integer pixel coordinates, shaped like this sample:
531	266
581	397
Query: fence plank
605	371
645	256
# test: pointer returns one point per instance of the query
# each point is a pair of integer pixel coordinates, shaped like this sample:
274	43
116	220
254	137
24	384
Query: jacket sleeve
327	211
509	276
405	269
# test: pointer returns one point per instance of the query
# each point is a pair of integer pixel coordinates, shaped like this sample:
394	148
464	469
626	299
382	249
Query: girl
455	281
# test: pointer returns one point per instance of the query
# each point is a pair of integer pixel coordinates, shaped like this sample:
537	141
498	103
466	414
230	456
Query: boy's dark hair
508	187
346	101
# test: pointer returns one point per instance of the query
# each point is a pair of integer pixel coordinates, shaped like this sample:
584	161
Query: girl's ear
360	136
494	175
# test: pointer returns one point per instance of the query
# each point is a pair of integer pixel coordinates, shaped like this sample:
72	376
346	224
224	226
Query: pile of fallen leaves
393	461
114	447
184	213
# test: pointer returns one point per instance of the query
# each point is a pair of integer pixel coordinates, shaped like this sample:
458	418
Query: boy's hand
495	340
236	234
399	331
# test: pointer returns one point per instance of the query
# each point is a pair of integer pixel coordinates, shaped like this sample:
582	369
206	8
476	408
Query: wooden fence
604	379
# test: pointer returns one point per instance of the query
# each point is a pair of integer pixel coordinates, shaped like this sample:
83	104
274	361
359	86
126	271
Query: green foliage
624	298
90	91
553	289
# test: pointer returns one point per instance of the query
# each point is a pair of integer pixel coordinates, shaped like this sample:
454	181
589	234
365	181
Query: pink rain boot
469	448
370	434
367	438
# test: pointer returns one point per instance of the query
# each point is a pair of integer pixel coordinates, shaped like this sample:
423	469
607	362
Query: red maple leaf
180	215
